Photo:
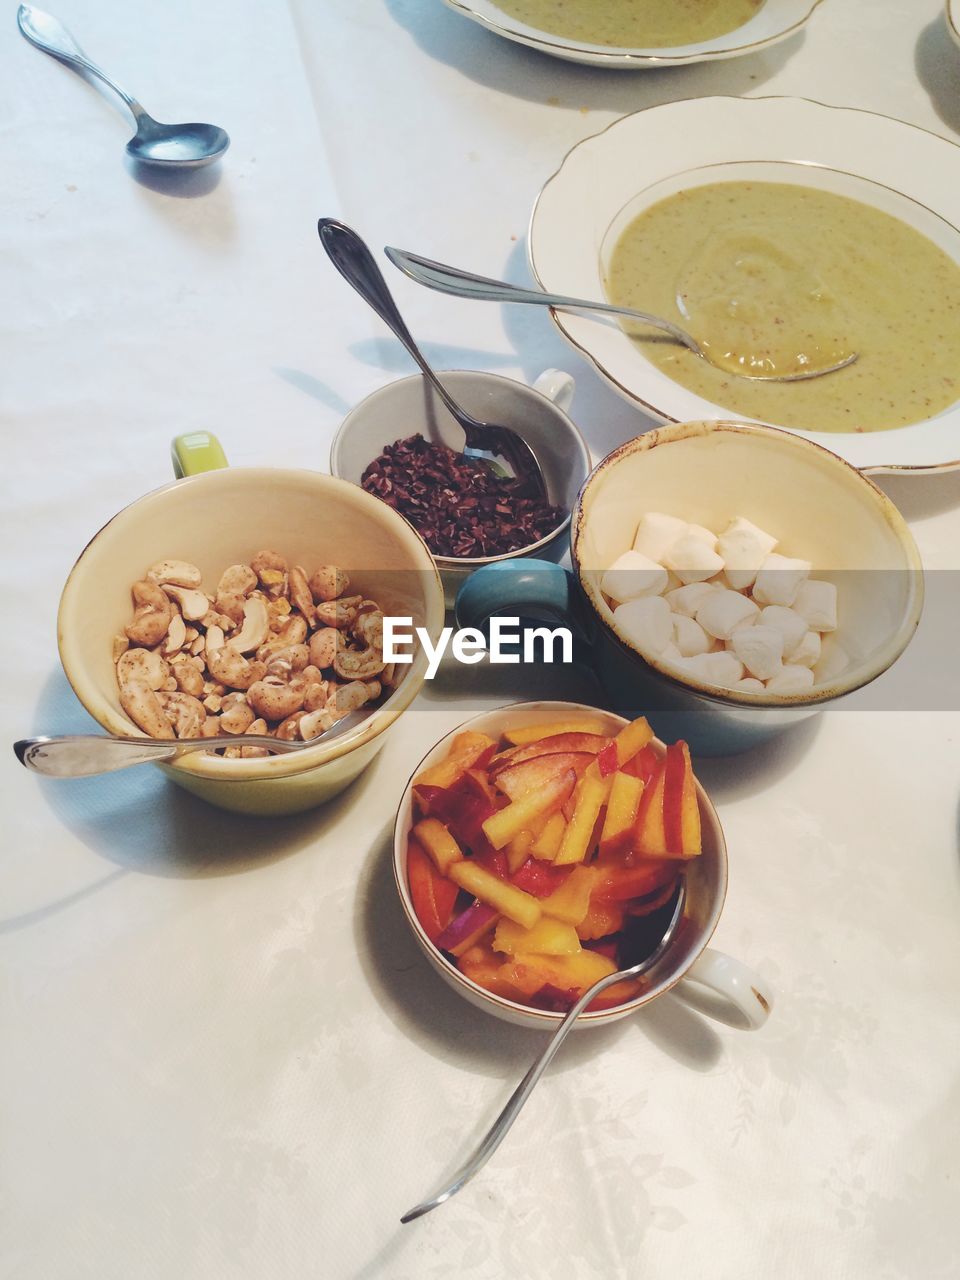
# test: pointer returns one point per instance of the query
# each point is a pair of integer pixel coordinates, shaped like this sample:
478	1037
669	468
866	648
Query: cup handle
556	386
195	452
735	984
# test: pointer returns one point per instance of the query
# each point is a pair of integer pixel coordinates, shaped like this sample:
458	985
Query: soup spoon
83	755
501	1126
464	284
502	448
166	146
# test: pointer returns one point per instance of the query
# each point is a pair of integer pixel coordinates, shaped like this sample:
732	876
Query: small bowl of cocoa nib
401	445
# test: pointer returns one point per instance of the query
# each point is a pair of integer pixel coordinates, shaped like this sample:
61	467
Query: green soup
634	24
775	278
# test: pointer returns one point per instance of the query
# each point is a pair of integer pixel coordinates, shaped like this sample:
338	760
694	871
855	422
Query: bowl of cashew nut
250	601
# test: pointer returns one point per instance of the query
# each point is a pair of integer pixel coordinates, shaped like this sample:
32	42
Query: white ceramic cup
735	989
538	414
219	518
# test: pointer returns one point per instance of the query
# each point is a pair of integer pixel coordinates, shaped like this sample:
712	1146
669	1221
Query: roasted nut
288	661
346	698
176	636
289	729
273	699
323	646
237	717
238	580
210	727
213	702
315	696
327	583
120	646
143	707
300	592
143	666
151	616
315	722
193	604
256	626
229	605
339	613
176	572
184	713
266	561
189	680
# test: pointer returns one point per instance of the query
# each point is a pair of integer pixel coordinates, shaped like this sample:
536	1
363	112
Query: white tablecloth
223	1055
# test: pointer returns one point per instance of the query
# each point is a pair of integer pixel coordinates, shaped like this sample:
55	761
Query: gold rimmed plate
895	167
775	20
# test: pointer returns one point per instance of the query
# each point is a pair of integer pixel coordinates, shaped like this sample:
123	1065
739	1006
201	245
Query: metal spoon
82	755
168	146
464	284
505	1119
497	445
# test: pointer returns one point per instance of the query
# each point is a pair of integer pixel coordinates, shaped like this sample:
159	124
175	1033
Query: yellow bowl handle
195	452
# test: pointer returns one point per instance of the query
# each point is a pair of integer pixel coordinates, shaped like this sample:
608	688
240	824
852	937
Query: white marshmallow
834	660
790	624
704	534
722	612
807	652
749	685
744	548
692	559
760	649
632	576
689	637
647	623
817	602
670	653
727	668
656	533
792	679
687	600
779	579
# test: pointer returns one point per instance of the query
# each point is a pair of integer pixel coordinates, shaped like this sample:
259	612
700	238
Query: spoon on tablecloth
166	146
504	450
84	755
504	1121
464	284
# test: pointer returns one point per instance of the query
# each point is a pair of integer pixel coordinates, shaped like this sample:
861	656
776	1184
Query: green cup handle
195	452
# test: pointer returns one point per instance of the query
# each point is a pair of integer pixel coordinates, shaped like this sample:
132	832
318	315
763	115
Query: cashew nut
300	592
315	696
346	698
238	716
184	713
238	580
256	626
176	636
230	605
176	572
292	659
120	646
151	616
228	666
315	722
210	727
264	561
323	646
143	666
273	699
188	678
339	613
328	582
194	605
143	707
289	729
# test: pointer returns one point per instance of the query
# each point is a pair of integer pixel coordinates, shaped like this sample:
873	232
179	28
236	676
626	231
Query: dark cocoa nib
457	504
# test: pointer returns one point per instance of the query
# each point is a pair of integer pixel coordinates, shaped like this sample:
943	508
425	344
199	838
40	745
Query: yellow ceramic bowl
217	519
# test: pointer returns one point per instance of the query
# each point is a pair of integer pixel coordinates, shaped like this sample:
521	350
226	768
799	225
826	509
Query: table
223	1054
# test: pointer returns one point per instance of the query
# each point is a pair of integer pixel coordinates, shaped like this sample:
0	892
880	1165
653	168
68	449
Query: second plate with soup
690	211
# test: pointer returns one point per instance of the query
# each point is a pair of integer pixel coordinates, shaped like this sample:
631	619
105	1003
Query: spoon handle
352	258
464	284
85	755
49	34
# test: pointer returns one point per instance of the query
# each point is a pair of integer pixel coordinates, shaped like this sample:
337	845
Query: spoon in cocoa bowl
507	453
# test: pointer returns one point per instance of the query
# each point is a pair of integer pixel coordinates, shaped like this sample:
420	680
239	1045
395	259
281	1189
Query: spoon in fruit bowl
83	755
504	1121
165	146
507	453
464	284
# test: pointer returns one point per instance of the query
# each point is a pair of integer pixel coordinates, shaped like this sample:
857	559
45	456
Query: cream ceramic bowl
217	519
688	959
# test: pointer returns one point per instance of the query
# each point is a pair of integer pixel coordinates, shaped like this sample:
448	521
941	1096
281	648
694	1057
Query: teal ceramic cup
819	507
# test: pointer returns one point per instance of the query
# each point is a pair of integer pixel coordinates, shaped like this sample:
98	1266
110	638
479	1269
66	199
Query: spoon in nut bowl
165	146
501	1126
507	453
464	284
83	755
